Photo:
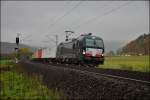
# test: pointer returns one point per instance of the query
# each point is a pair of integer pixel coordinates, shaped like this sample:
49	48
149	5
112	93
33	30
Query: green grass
133	63
15	85
6	63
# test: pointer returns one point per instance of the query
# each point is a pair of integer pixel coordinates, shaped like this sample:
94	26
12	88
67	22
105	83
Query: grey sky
111	20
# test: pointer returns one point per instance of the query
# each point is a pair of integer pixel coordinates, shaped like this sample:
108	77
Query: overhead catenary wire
106	4
102	8
24	39
27	37
94	18
98	17
67	3
65	14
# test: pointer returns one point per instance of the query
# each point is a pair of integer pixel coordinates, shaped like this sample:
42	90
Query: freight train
85	49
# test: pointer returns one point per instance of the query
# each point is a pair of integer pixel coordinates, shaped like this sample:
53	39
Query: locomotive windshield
94	42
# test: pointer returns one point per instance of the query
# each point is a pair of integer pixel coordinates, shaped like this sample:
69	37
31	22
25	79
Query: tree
139	46
24	53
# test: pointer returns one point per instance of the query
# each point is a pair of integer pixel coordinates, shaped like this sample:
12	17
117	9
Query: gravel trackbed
76	84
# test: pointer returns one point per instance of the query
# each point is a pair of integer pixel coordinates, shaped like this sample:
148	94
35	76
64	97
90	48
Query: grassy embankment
15	85
133	63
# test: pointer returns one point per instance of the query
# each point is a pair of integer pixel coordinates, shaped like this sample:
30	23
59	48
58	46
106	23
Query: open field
133	63
6	63
15	85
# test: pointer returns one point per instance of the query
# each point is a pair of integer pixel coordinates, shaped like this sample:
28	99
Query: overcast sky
111	20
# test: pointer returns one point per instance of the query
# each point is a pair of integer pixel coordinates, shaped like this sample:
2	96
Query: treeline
139	46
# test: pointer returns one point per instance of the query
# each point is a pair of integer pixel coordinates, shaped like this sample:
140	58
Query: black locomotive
86	49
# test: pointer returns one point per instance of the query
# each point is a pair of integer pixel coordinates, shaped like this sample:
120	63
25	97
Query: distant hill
139	46
7	48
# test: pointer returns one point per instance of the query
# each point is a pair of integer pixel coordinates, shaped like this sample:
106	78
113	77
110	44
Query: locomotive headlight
83	52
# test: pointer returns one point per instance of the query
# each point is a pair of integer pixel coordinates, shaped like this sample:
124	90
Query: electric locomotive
86	49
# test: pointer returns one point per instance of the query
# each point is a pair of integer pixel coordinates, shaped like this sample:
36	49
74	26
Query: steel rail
105	75
119	77
109	75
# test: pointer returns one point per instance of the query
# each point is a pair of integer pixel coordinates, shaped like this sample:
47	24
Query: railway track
119	77
77	83
98	71
112	76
